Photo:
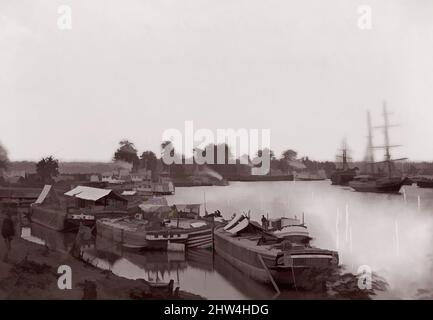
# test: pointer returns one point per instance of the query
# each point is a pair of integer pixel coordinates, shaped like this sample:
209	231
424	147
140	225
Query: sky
134	68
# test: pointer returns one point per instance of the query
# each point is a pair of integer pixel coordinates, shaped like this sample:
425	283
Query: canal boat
139	233
136	234
280	257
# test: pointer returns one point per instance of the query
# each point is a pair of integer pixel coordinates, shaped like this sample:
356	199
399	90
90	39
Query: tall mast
386	137
387	146
370	153
344	155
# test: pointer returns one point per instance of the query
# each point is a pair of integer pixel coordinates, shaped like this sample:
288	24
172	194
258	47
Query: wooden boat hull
49	218
425	183
257	178
133	240
342	178
197	238
193	238
392	186
247	260
200	239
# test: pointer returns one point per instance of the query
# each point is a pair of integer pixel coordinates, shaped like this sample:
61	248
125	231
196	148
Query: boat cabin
291	235
96	198
191	211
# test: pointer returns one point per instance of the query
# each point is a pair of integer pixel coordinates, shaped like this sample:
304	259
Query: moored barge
284	257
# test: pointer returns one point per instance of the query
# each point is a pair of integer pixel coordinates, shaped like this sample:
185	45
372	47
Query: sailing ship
342	176
379	182
280	257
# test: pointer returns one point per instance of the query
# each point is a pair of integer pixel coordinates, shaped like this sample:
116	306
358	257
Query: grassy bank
31	273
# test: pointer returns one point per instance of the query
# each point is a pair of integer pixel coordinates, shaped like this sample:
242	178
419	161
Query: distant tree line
230	166
4	161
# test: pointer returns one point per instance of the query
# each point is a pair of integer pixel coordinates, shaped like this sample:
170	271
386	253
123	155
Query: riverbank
30	272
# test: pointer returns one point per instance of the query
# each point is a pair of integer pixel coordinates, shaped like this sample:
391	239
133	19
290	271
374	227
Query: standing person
8	232
264	222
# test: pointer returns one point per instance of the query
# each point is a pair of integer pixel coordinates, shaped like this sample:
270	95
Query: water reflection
56	241
202	272
388	233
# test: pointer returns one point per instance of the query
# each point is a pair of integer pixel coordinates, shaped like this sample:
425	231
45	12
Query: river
389	234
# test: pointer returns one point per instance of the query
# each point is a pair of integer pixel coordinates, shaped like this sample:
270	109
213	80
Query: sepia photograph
216	150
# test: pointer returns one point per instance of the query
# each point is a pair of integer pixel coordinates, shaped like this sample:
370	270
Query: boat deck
250	242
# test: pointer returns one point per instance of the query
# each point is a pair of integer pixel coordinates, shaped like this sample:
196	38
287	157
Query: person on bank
8	232
264	222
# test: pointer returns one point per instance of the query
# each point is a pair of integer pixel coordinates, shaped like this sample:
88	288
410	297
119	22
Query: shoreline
31	273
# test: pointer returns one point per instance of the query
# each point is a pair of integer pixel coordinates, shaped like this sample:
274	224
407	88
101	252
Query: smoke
123	165
212	173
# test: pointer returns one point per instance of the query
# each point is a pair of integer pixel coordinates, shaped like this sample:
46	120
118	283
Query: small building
111	177
94	178
141	175
64	178
96	198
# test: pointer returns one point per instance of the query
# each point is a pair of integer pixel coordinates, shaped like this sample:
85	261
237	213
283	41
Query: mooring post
269	275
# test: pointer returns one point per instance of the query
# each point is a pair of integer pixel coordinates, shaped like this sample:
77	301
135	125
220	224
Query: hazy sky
133	68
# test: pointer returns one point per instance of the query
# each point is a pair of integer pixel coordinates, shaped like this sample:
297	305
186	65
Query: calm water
389	233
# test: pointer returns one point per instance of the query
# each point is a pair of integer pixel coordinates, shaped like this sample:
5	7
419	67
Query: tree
266	151
289	155
126	152
47	168
4	160
148	160
283	165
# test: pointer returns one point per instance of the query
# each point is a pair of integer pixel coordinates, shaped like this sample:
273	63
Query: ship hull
248	260
377	186
193	238
199	238
133	240
49	218
425	184
257	178
342	179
